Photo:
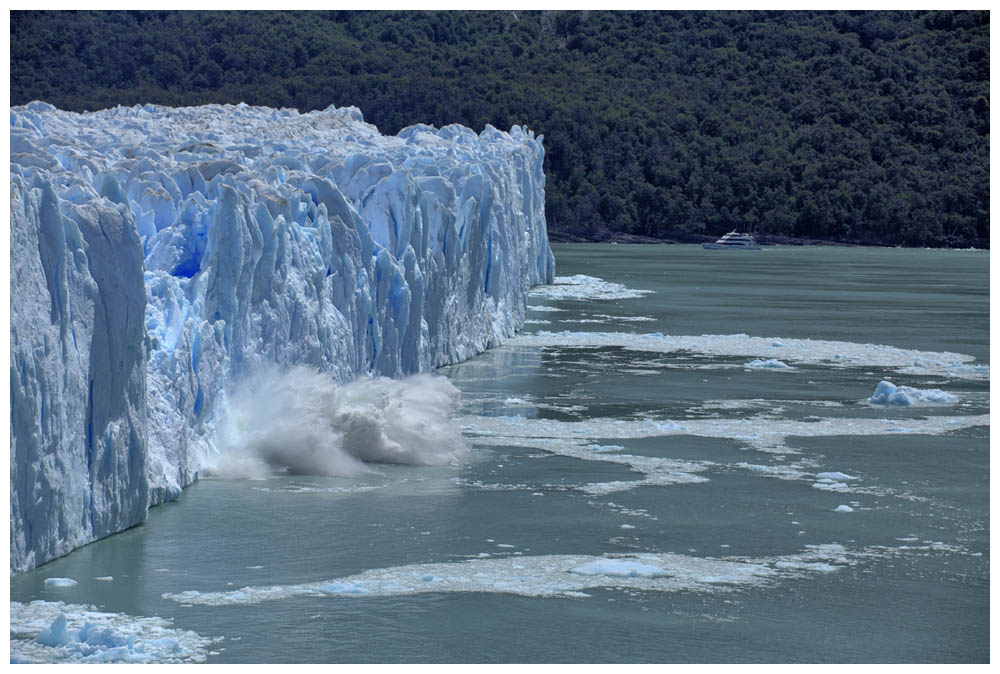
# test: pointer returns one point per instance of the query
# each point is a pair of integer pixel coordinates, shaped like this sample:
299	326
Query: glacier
160	256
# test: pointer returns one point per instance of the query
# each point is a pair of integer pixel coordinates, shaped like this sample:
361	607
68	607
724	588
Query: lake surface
682	467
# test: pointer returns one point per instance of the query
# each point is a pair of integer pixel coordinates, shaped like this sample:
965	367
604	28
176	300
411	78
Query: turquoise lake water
679	464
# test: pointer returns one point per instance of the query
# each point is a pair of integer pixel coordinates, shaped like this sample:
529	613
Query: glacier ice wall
159	255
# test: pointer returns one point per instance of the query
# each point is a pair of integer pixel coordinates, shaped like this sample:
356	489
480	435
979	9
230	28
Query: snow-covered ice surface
50	632
159	255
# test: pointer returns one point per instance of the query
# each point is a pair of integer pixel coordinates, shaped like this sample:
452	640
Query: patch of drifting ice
619	568
806	351
843	509
759	433
49	632
336	587
786	472
583	287
550	576
626	319
60	582
834	476
769	364
656	471
830	485
887	393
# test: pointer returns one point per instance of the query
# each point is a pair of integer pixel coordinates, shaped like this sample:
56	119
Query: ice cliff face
158	255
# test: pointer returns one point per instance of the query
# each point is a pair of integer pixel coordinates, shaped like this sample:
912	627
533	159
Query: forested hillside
868	127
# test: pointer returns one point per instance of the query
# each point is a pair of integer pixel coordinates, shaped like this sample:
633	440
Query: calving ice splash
301	421
162	256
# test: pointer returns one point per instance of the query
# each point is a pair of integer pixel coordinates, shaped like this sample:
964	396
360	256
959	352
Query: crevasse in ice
159	254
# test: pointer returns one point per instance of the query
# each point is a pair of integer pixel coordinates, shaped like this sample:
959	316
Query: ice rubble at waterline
54	631
159	255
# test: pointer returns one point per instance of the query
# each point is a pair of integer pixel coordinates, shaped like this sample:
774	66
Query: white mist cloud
302	421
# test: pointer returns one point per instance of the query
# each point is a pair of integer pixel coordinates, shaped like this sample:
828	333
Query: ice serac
160	255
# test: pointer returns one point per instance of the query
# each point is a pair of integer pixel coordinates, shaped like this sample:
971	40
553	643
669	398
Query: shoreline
764	240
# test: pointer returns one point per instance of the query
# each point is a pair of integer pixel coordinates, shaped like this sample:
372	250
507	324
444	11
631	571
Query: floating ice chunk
808	566
842	508
830	485
56	634
583	287
49	632
60	582
628	526
769	364
105	579
834	476
887	393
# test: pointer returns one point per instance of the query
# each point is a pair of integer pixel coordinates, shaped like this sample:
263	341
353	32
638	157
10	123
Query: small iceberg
769	364
887	393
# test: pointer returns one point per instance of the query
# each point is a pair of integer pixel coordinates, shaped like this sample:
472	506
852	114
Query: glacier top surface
220	130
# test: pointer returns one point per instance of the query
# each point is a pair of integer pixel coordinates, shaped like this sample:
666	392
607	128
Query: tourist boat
733	241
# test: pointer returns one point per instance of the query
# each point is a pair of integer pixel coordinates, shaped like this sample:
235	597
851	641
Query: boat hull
716	246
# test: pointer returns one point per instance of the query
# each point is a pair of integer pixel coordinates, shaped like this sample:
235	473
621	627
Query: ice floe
548	576
800	351
655	471
583	287
758	433
49	632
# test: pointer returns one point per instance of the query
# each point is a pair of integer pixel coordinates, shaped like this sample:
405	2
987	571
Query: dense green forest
866	127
